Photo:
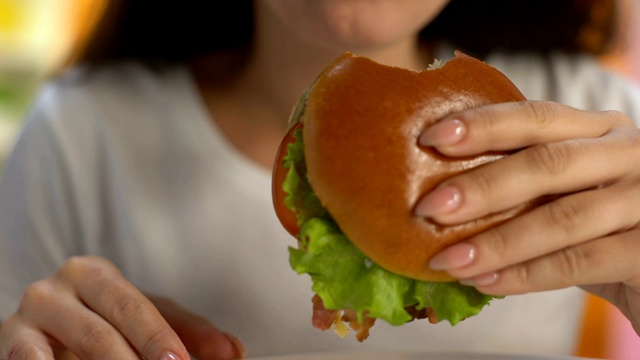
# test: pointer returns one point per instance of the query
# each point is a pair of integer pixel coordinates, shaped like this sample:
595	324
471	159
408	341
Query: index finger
515	125
105	291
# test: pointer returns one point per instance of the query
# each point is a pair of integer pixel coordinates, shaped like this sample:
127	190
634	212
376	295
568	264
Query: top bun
361	125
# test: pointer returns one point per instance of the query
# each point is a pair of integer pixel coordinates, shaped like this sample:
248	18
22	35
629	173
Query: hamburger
347	177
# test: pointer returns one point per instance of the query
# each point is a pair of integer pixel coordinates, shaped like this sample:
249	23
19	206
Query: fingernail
169	356
440	201
453	257
443	133
481	280
240	351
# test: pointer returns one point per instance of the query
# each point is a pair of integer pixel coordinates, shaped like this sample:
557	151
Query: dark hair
541	26
168	31
158	31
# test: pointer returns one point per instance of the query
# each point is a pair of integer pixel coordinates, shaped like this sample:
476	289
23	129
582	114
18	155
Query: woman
135	188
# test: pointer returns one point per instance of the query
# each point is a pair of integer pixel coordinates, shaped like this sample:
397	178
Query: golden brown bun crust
361	125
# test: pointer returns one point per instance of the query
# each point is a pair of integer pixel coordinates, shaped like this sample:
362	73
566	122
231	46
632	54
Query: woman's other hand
88	309
589	236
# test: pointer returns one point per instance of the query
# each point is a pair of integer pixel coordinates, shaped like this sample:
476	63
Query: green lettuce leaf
345	278
300	197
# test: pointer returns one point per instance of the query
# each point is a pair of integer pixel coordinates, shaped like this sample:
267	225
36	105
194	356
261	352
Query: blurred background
37	38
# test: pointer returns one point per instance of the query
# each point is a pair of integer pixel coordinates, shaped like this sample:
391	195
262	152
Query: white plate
414	356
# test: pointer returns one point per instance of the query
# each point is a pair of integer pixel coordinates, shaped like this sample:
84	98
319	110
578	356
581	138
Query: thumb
201	338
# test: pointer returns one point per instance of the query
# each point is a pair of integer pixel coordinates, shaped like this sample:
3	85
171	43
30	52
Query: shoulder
87	93
84	106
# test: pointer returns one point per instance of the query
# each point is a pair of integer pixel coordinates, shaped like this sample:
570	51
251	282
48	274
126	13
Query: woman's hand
588	237
88	309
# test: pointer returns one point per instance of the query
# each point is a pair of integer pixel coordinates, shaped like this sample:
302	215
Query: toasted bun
361	125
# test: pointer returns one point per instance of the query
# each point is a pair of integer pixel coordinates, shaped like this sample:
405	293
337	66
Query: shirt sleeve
37	229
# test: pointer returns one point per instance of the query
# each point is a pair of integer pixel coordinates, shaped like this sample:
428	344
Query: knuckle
36	294
483	183
521	274
96	339
564	213
617	117
542	112
551	159
74	265
569	265
125	309
86	265
495	242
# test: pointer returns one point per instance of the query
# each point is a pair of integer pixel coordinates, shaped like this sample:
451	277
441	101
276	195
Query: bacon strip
324	318
424	313
362	330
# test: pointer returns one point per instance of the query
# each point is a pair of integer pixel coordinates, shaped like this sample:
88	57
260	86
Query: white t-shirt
127	164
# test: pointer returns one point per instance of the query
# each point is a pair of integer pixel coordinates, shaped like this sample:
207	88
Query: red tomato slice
287	216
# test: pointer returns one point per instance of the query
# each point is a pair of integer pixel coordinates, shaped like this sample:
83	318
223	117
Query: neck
252	106
282	65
